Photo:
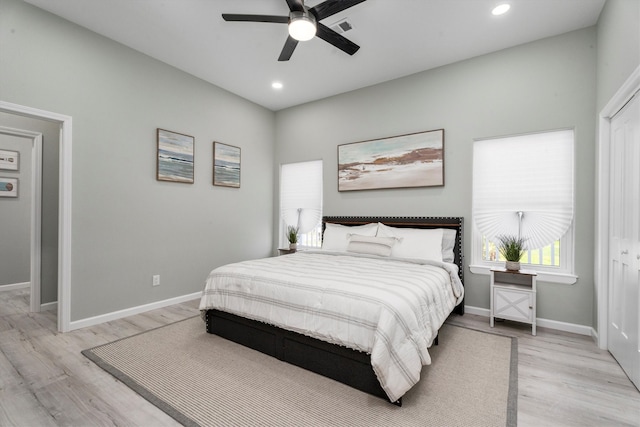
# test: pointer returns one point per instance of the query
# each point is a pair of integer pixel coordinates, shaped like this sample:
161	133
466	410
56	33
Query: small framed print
226	165
9	160
8	187
175	157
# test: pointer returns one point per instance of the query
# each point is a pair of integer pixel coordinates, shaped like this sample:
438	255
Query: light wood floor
563	379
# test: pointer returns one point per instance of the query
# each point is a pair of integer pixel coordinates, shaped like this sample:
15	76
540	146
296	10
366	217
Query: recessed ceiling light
276	85
500	9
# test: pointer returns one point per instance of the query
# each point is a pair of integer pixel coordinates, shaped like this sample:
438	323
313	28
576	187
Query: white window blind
532	174
301	195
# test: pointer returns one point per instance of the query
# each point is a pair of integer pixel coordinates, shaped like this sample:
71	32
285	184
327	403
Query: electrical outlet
156	280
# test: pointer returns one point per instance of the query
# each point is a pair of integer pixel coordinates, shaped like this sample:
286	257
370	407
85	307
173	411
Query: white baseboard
48	306
15	286
96	320
563	326
476	310
543	323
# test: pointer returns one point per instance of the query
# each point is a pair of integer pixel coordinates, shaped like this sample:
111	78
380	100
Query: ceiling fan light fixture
302	26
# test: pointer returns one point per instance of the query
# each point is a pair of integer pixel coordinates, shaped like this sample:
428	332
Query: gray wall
618	46
49	213
15	215
126	226
548	84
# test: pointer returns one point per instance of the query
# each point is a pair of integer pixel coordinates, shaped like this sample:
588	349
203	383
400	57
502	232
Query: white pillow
336	236
371	245
414	243
448	243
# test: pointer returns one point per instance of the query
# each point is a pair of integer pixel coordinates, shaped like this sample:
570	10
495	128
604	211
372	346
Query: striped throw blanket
389	308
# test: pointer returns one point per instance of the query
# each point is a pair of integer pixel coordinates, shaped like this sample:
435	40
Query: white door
624	238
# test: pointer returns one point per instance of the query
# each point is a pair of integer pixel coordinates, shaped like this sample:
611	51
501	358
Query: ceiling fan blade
295	5
255	18
331	7
330	36
288	48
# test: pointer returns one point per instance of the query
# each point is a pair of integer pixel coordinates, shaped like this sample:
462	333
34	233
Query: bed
346	325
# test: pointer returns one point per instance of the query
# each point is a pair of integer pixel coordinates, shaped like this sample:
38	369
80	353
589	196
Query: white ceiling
396	38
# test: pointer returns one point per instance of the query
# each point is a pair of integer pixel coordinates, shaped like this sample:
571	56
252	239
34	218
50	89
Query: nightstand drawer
513	304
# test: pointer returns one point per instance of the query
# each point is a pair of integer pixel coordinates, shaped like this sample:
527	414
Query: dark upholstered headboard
456	223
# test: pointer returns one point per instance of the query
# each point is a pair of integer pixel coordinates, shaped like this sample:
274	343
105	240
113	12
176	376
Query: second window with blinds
301	202
524	186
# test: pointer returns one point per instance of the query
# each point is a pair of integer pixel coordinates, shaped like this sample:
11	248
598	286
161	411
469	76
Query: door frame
64	204
601	274
36	211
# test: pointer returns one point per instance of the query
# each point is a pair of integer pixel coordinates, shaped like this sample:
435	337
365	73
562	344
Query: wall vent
342	26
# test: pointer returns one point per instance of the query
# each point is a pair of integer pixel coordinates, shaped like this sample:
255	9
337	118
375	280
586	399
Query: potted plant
292	236
512	249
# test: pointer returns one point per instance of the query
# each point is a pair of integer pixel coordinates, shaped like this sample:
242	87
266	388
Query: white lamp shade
302	28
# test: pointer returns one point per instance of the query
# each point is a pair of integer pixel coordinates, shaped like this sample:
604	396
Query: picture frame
226	165
403	161
175	157
9	160
8	187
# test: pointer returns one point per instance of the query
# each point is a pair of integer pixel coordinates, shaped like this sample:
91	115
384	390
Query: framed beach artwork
226	165
175	157
404	161
9	160
8	187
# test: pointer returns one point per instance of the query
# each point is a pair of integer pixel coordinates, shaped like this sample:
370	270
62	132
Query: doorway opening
35	208
64	203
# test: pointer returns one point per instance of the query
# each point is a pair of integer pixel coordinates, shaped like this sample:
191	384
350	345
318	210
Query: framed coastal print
404	161
9	160
226	165
8	187
175	157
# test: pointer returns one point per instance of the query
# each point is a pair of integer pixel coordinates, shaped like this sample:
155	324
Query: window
547	256
524	186
301	202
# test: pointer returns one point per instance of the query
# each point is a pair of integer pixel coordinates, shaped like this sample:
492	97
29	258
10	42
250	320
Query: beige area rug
202	379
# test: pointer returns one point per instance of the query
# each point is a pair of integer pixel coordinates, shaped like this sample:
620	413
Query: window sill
543	276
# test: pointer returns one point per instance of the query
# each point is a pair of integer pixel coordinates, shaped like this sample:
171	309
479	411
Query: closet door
624	249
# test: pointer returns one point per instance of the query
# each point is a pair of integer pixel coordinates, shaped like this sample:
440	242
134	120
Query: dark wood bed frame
342	364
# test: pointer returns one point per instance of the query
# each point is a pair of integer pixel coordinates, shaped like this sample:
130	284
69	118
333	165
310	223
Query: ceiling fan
304	24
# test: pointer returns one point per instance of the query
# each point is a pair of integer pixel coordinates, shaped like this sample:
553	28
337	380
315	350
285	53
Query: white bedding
389	308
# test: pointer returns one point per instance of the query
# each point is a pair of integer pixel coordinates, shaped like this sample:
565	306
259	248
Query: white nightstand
513	296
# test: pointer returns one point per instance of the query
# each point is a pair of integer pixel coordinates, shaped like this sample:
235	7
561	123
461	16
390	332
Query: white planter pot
512	265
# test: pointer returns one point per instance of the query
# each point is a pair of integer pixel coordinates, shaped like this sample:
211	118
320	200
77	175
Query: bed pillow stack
435	244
